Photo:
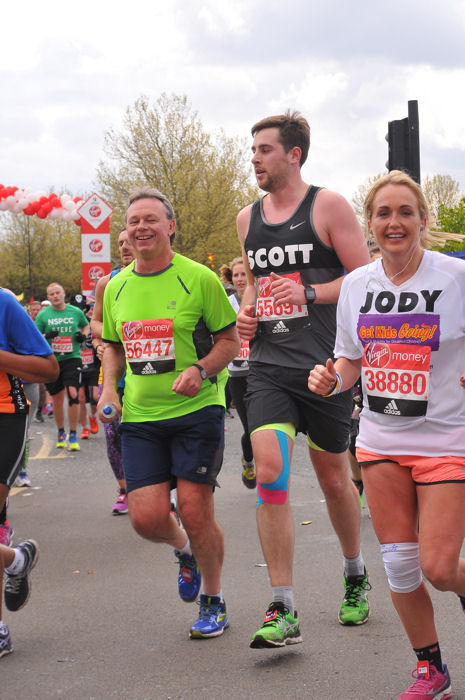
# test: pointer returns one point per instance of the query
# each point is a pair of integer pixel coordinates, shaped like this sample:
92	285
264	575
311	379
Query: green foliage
440	191
36	252
205	176
452	220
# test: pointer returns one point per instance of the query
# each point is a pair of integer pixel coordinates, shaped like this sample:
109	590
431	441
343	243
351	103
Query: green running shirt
67	322
165	322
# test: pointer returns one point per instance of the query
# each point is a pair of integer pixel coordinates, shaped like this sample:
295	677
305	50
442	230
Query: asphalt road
105	621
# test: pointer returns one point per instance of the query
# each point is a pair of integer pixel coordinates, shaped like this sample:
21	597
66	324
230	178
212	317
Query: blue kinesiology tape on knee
276	492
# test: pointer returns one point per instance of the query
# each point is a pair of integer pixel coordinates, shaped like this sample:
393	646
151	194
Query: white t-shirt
412	341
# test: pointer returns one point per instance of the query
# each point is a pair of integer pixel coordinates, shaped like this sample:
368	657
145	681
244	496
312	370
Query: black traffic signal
403	139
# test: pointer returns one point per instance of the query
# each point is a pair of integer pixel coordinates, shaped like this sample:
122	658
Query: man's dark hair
294	130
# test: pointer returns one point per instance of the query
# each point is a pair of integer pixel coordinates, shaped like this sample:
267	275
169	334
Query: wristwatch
202	370
310	294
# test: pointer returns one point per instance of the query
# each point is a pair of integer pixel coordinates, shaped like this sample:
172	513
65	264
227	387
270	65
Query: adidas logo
148	369
392	409
280	328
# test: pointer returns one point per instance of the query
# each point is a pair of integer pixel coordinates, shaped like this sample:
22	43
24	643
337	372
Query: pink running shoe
6	533
120	506
436	687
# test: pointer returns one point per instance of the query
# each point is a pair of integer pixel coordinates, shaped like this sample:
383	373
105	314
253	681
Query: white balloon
3	205
65	198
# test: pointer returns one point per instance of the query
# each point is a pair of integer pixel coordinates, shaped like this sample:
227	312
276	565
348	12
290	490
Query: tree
35	252
452	218
441	190
358	198
452	221
438	190
204	176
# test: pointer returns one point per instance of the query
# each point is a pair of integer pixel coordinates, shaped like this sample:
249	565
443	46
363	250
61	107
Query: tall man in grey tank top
296	242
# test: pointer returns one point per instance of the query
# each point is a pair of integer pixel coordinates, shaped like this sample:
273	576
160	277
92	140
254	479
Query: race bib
62	344
149	345
396	378
274	317
242	359
87	357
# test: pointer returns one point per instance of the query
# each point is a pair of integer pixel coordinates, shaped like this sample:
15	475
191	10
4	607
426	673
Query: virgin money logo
264	286
96	245
377	354
96	272
133	330
95	211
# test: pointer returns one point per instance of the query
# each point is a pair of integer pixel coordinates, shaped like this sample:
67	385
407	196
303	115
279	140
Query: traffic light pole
403	139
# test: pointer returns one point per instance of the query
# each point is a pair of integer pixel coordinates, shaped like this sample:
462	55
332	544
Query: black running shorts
280	395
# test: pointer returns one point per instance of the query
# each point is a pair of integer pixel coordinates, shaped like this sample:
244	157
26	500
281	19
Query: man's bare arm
96	323
226	345
114	367
337	226
33	368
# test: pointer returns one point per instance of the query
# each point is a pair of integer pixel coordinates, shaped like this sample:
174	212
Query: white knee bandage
402	566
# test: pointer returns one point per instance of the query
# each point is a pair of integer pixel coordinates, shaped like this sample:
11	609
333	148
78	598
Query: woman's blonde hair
398	177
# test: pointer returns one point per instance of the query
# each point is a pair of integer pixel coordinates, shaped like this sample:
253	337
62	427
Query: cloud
269	31
350	68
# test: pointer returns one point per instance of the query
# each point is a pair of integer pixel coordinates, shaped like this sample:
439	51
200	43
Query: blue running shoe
212	620
189	577
61	440
6	646
73	444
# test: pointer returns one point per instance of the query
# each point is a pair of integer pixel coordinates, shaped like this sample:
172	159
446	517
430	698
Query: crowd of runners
152	353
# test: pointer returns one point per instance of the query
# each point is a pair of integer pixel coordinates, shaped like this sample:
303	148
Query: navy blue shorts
189	447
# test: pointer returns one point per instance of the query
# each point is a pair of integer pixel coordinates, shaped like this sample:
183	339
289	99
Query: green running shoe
355	608
280	628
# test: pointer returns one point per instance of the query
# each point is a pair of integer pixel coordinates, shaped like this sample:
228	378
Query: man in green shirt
168	324
65	327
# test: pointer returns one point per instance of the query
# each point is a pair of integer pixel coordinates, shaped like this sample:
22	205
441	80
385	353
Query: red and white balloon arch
43	205
92	216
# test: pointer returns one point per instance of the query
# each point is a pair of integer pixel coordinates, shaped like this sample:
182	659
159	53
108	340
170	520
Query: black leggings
13	432
238	388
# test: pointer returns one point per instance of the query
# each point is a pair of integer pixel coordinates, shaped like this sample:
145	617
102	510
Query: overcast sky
68	72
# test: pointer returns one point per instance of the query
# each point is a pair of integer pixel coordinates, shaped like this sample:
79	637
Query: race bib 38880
396	378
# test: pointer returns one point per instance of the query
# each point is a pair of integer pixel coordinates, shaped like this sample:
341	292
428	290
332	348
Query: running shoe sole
262	643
